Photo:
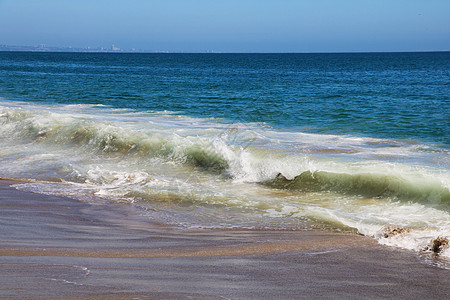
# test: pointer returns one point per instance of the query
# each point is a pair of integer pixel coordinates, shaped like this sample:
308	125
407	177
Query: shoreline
60	247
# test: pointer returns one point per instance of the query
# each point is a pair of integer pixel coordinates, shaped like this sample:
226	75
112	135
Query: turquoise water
354	142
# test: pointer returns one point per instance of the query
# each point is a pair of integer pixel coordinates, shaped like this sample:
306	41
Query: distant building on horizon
46	48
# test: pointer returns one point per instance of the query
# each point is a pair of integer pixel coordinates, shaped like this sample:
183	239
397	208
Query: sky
230	25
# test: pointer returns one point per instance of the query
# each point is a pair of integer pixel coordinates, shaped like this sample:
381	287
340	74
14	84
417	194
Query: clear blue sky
230	25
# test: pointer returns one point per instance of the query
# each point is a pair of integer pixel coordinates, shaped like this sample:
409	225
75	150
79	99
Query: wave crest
106	139
367	185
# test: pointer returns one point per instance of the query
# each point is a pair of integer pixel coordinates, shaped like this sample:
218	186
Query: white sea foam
234	175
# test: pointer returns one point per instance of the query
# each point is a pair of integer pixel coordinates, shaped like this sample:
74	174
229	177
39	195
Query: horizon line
69	49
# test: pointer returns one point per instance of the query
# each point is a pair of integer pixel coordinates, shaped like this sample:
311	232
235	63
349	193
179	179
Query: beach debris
392	230
438	245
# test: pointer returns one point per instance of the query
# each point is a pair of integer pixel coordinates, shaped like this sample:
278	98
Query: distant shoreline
44	48
112	49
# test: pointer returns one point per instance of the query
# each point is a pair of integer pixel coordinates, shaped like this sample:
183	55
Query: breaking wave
84	134
101	138
366	185
231	175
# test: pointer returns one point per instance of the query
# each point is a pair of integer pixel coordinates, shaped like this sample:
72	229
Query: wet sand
55	247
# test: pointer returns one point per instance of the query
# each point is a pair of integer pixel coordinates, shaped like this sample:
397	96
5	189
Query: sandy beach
55	247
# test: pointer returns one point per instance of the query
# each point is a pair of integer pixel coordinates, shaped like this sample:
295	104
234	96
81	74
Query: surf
210	173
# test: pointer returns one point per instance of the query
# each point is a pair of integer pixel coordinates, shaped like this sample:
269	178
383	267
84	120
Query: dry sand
55	247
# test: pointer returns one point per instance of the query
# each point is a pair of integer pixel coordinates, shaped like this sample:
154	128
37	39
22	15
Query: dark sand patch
59	248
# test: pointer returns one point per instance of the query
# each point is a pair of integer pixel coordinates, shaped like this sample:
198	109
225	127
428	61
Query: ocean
340	142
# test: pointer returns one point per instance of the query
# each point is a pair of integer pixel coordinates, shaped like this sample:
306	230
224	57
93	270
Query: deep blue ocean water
353	142
387	95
